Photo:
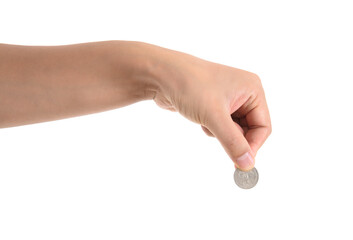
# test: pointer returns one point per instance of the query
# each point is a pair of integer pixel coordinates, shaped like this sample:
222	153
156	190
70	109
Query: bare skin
45	83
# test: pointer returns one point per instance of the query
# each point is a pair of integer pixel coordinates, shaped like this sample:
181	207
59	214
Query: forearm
43	83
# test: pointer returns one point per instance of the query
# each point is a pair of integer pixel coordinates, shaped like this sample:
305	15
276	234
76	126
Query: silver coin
246	180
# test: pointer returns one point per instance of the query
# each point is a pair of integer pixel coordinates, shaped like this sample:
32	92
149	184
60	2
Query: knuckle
235	147
256	78
231	142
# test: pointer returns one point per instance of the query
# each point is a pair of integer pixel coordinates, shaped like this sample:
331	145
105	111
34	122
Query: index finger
259	125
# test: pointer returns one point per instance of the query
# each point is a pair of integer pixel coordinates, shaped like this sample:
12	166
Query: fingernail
245	161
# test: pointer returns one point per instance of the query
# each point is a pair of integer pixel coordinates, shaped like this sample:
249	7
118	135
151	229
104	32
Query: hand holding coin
229	103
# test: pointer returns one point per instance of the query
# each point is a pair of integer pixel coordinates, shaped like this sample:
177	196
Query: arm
43	83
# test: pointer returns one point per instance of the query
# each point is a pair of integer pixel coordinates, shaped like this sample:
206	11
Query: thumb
232	139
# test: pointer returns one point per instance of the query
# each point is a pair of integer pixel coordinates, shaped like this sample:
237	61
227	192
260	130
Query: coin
246	180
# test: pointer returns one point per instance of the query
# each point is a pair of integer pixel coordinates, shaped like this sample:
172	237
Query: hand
43	83
228	103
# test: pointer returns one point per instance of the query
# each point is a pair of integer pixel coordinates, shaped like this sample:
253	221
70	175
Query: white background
144	173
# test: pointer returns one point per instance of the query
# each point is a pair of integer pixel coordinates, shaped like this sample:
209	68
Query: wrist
149	69
134	69
161	69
